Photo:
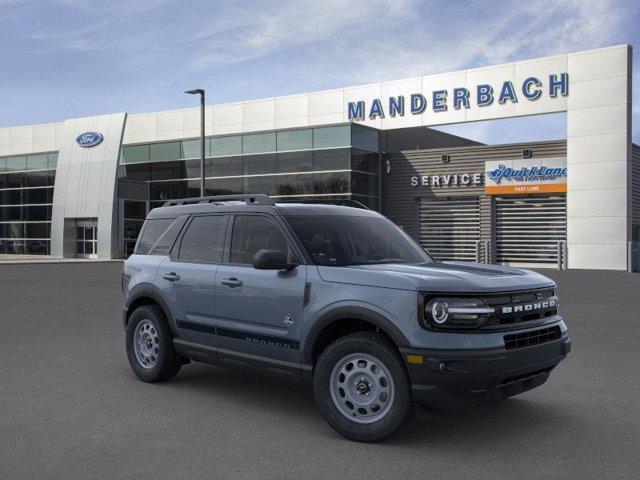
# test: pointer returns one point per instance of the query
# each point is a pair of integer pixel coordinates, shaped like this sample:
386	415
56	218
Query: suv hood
446	277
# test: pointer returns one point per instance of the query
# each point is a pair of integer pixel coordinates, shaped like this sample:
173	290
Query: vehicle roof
289	209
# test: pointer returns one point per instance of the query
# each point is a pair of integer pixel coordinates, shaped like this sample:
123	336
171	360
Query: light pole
200	91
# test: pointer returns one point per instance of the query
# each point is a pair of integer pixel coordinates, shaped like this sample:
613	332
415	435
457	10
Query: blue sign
89	139
524	174
531	89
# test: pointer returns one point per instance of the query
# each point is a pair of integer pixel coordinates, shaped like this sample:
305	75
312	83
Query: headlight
456	312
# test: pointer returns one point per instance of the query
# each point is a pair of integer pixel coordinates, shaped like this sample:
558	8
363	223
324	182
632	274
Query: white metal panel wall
85	185
449	228
528	229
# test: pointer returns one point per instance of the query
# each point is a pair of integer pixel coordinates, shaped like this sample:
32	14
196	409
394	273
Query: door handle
172	277
231	282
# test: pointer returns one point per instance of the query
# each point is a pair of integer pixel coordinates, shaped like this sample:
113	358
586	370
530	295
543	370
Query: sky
74	58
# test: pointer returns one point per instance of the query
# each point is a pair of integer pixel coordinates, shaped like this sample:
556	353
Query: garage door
450	228
528	229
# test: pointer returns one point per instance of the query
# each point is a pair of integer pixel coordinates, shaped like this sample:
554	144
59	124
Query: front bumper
450	379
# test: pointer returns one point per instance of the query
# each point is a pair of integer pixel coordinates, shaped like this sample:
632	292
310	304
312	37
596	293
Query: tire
368	369
155	360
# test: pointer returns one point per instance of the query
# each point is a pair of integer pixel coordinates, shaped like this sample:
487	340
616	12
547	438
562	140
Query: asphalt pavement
70	408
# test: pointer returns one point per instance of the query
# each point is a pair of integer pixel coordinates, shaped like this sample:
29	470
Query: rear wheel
150	345
361	387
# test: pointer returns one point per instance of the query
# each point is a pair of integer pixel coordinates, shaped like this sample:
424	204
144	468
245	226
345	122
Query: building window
26	197
332	137
290	164
135	154
364	138
259	143
295	140
225	146
162	152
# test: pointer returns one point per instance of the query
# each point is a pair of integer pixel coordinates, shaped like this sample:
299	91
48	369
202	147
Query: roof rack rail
257	198
340	202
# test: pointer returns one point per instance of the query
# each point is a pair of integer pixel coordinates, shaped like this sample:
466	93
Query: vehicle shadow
287	401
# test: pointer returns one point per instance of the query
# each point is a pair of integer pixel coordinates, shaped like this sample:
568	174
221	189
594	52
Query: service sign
522	176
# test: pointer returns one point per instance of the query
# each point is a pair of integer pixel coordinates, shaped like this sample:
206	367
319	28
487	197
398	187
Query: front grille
520	307
534	337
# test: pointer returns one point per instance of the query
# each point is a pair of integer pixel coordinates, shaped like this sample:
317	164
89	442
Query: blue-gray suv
337	296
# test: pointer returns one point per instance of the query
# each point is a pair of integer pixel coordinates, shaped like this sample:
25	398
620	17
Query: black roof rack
258	198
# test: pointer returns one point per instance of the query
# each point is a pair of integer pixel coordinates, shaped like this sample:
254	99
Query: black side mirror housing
272	260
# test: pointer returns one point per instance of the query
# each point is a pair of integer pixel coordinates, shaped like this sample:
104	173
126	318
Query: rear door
259	312
187	277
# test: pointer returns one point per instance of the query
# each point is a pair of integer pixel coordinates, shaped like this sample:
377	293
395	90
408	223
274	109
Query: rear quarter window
151	232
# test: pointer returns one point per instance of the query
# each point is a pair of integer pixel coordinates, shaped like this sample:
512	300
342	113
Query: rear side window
203	240
150	234
168	238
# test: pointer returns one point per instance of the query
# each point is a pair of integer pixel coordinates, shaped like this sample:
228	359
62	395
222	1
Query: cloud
259	32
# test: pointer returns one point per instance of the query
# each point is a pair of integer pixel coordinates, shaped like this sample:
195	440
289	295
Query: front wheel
361	387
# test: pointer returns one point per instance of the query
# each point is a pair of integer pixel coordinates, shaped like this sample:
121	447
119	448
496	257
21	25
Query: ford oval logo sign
89	139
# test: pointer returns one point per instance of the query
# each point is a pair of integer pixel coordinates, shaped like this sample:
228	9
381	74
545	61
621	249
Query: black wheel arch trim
356	313
145	290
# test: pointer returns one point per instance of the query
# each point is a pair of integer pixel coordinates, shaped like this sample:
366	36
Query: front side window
204	239
252	233
341	240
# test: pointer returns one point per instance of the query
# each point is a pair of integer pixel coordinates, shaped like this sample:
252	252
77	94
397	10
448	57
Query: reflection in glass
263	184
364	161
223	166
259	164
295	162
137	171
364	184
338	159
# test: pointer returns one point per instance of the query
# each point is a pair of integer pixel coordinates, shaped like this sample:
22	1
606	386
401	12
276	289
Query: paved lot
71	408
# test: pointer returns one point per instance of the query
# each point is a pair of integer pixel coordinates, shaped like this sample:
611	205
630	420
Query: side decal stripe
241	335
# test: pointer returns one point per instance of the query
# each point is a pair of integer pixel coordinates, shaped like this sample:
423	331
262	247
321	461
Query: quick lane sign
543	175
482	95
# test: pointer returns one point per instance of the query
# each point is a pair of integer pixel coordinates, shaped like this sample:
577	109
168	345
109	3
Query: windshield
340	240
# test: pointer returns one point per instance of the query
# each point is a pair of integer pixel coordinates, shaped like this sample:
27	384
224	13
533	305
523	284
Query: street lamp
200	91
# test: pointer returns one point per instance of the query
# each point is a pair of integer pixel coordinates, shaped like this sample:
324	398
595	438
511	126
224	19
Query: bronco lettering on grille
529	307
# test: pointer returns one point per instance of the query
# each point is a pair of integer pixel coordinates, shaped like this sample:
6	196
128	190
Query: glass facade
337	162
26	196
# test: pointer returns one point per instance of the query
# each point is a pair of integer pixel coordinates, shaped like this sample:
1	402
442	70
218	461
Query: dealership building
82	187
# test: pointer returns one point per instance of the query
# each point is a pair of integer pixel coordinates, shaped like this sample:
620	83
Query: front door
259	312
187	277
86	238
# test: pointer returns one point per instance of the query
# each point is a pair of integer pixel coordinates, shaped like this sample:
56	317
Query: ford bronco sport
339	297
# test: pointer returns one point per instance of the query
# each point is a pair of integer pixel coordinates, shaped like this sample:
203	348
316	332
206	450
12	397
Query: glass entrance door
87	239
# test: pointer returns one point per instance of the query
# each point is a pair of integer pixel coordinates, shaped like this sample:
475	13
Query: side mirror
272	260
